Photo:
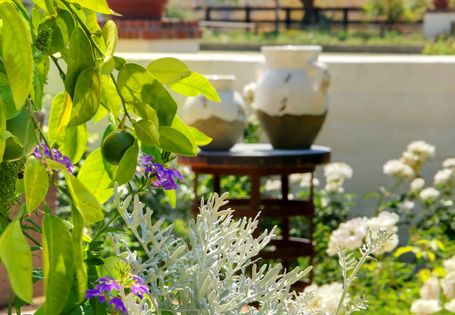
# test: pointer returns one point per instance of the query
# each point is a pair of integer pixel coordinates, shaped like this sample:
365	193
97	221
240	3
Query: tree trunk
308	6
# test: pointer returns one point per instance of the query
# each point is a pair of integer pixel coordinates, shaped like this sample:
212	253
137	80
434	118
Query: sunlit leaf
16	256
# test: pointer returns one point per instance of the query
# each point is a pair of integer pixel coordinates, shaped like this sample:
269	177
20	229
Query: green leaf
62	26
147	132
16	53
100	6
131	78
60	115
87	96
161	101
171	197
78	255
2	129
109	96
73	142
16	256
146	112
84	201
87	204
95	177
168	70
127	166
174	141
6	97
79	58
200	137
110	35
58	264
36	183
196	84
137	85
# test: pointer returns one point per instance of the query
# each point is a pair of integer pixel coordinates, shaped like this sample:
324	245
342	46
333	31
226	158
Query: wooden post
208	11
288	20
345	18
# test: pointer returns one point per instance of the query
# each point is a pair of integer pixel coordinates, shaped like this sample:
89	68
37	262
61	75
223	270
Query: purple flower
57	156
165	177
118	304
139	288
105	287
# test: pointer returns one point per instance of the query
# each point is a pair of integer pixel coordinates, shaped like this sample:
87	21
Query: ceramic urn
291	98
224	122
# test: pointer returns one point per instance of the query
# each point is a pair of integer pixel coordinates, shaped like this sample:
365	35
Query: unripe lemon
115	145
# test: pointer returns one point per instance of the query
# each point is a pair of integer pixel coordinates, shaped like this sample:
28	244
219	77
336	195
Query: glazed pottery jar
291	96
224	122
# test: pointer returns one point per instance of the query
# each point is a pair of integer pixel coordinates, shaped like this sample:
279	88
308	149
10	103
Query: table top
259	155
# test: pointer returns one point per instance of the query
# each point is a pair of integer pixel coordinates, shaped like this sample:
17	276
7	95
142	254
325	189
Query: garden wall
378	105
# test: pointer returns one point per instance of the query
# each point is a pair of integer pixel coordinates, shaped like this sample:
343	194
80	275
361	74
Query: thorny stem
38	127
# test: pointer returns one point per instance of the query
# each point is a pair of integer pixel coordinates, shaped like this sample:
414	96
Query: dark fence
284	15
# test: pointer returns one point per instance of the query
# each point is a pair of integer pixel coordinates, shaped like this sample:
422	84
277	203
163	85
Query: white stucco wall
378	105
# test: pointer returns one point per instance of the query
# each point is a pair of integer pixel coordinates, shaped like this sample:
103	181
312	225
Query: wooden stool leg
255	201
284	196
217	184
195	208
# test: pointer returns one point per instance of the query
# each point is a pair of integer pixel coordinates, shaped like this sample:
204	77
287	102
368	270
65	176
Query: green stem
102	229
121	97
60	70
31	238
37	127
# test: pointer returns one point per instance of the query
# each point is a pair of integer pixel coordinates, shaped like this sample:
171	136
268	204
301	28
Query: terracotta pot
139	9
224	122
291	98
441	4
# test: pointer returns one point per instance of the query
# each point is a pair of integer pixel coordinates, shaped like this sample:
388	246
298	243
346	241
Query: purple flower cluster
165	177
107	289
56	155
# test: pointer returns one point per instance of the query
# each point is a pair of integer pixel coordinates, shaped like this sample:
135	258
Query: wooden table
255	161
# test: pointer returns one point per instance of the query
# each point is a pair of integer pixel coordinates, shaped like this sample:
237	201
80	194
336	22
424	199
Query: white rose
423	307
448	285
449	264
442	177
449	163
398	169
430	289
450	306
429	194
422	149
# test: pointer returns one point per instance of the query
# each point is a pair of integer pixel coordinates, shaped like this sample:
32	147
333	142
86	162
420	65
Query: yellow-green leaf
147	132
127	166
73	142
36	183
100	6
171	197
87	204
78	255
168	70
196	84
95	177
16	256
58	264
87	95
17	54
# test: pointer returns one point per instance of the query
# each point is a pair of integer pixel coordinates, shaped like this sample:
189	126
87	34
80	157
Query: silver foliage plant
215	271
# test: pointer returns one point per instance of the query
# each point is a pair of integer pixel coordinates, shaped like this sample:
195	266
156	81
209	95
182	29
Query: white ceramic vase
291	99
224	122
